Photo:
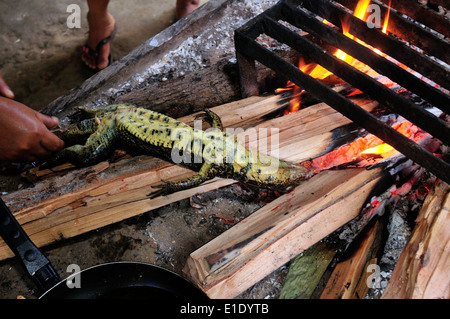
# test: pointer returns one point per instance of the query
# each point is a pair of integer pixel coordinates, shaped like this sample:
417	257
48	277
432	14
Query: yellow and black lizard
211	152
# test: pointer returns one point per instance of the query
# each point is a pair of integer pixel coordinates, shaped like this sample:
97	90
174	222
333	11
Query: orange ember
361	151
385	150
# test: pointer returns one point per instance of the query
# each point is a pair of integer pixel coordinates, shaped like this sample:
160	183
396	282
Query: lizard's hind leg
206	172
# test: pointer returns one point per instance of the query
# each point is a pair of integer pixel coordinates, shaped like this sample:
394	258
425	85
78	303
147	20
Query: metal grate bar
249	51
422	14
411	32
376	90
392	47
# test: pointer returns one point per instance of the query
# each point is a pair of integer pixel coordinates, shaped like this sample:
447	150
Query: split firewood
422	269
71	204
349	278
279	231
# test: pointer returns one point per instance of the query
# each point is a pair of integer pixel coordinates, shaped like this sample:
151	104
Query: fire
318	72
363	150
386	19
360	12
378	150
361	9
367	147
385	150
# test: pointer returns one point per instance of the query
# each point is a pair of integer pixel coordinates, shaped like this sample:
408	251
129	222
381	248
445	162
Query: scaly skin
212	152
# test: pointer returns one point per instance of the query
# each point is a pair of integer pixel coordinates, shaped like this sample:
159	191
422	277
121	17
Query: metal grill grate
248	50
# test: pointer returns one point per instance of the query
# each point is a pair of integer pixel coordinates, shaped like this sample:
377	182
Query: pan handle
37	265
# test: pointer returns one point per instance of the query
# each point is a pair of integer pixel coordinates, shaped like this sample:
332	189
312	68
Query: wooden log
348	280
422	269
270	237
305	272
92	197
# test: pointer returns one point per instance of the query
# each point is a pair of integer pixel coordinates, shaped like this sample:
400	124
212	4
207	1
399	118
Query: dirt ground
40	60
40	54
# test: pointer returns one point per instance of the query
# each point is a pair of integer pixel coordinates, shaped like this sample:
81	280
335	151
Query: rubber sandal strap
106	40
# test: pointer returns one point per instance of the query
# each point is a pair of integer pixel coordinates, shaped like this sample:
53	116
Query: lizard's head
270	172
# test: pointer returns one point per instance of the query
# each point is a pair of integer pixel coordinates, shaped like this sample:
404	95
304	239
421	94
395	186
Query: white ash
196	52
399	233
403	212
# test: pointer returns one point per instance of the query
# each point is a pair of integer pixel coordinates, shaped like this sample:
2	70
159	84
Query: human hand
25	134
4	89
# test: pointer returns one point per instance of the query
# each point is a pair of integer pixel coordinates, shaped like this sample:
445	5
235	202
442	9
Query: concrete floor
40	60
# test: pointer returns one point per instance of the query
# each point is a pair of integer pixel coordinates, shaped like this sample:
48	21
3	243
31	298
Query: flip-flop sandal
95	53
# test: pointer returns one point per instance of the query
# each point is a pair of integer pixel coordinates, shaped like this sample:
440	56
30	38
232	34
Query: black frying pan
124	280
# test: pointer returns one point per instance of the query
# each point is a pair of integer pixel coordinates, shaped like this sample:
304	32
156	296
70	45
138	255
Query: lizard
212	152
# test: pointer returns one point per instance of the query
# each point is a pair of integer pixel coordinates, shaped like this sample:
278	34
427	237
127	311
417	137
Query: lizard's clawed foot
163	189
203	116
210	117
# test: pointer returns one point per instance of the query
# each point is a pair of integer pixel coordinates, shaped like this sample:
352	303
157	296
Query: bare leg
184	7
101	25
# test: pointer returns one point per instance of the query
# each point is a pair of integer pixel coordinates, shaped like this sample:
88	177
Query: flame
360	13
314	70
385	150
362	151
318	72
386	18
385	25
378	150
361	9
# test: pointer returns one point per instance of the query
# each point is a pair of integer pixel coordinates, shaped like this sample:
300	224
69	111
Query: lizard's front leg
97	147
212	117
78	133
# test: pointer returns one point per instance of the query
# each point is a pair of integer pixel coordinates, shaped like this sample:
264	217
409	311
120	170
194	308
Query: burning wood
232	269
369	150
422	270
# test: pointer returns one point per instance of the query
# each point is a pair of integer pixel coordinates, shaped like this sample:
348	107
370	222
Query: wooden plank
422	269
345	281
270	237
